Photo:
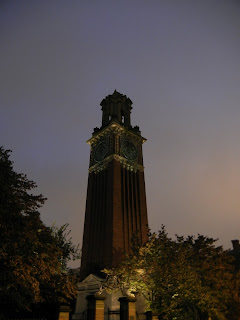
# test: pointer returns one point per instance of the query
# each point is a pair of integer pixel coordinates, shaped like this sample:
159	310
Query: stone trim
116	128
131	166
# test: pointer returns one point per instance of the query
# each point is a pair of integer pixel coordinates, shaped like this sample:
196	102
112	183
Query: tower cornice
126	164
116	128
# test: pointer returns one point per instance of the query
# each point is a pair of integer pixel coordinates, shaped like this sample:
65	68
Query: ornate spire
116	107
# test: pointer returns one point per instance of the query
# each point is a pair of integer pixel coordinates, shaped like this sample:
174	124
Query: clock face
101	151
129	150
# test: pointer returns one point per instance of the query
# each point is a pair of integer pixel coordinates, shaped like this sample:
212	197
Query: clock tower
116	201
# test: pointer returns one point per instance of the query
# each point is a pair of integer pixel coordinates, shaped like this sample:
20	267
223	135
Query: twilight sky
177	60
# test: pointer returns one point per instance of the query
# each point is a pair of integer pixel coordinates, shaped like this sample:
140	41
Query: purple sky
178	61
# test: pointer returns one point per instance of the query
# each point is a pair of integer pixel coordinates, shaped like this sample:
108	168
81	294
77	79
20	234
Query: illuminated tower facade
116	199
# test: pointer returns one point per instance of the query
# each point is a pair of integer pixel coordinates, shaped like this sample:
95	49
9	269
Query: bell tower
116	199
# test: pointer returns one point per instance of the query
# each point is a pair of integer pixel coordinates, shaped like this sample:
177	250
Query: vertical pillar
127	308
95	307
152	315
64	313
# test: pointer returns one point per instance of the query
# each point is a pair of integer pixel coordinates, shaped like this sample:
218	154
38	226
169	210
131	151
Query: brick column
95	307
64	313
152	315
127	308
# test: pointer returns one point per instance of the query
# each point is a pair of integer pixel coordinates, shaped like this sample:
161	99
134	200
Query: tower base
92	286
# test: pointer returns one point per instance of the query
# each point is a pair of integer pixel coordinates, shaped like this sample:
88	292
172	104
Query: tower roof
116	97
116	107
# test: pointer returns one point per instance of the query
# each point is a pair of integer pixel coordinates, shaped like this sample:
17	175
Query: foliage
68	249
186	278
33	257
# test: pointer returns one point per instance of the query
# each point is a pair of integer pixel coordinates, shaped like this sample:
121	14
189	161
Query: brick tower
116	200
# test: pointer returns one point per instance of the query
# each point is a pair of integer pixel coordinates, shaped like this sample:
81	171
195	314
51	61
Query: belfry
116	207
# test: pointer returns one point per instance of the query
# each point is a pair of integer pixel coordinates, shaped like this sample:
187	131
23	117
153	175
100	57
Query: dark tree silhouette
33	257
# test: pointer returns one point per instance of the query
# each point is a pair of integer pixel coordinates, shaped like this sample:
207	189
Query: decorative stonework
116	107
131	166
117	149
117	129
114	136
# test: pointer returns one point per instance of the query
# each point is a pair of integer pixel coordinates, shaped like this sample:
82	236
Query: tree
184	279
33	257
